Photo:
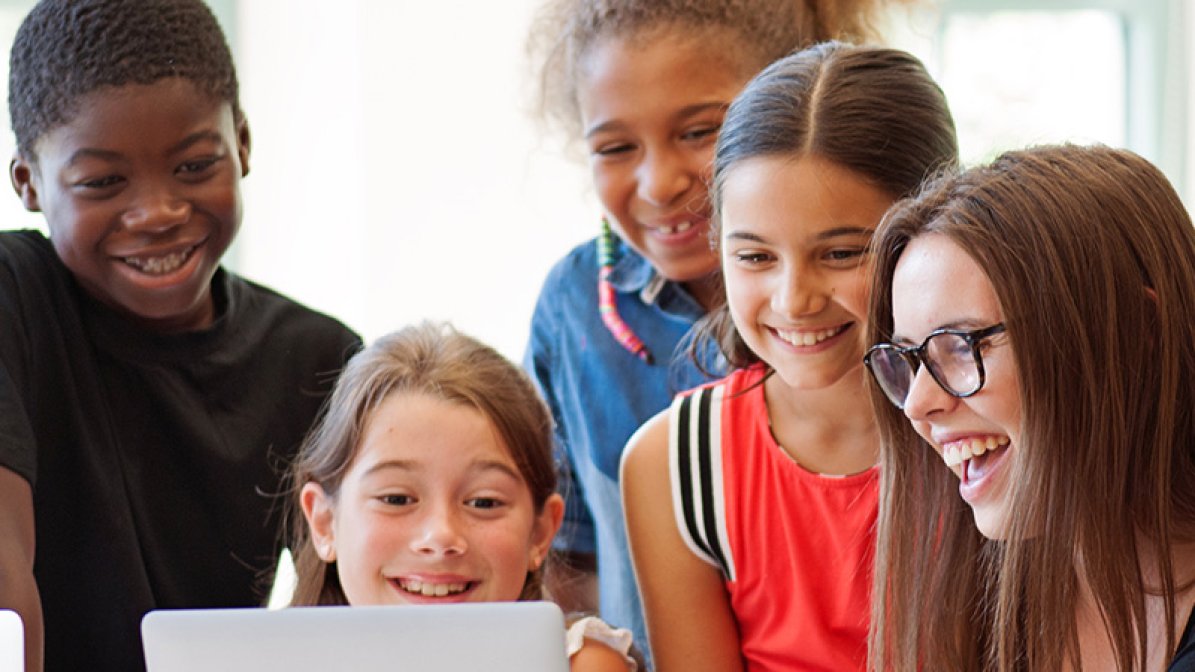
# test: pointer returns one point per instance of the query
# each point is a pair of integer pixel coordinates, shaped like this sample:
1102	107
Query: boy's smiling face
141	192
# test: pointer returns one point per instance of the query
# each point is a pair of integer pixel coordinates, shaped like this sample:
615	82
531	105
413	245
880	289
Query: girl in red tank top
750	503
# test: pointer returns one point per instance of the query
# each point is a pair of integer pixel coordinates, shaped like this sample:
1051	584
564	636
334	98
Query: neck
829	430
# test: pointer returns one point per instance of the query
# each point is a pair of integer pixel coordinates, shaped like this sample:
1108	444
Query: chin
991	525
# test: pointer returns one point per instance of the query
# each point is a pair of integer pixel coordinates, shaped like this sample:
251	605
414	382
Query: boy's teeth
955	452
160	265
808	338
431	589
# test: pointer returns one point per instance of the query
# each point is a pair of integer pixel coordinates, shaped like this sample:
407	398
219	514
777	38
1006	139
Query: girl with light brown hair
429	480
1036	330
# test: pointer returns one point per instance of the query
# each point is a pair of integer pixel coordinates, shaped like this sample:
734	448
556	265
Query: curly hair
757	32
66	49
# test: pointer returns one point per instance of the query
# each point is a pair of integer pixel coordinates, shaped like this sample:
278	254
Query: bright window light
1024	78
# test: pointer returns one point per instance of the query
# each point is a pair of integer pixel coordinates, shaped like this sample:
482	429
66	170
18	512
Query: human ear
547	523
243	145
21	174
317	509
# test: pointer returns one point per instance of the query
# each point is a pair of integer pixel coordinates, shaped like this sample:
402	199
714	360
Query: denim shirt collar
631	272
634	274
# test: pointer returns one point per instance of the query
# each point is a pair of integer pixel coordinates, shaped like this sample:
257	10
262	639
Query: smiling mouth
804	339
162	265
957	453
680	227
417	587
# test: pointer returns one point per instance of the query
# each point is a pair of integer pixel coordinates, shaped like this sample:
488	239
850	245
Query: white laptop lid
494	637
12	642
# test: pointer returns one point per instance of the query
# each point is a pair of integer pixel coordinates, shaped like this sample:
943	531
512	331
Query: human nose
799	292
926	397
439	533
156	208
663	177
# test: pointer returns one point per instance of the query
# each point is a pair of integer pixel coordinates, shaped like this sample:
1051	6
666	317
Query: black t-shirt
1184	658
155	460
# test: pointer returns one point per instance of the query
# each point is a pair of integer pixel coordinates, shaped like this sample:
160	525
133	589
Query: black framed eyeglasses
951	356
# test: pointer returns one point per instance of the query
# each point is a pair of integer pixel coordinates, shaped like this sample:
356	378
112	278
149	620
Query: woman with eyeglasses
1036	403
751	502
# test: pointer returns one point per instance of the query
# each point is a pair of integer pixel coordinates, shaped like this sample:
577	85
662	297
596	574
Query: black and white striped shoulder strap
695	463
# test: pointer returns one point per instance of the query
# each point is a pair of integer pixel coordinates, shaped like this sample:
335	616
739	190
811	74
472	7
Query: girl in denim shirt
644	84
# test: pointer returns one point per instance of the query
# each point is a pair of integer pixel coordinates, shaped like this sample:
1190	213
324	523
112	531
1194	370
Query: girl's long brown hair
872	110
432	359
1092	257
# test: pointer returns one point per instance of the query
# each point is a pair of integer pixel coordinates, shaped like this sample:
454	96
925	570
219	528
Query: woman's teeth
956	452
807	338
431	589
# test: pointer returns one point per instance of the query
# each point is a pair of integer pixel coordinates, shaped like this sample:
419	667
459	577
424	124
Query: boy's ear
547	523
317	509
20	173
243	144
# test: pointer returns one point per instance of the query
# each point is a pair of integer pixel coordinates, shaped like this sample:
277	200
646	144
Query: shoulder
571	285
646	454
268	312
25	244
576	270
39	300
645	474
27	254
648	450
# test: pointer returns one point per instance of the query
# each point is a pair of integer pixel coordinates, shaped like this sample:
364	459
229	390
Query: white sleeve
594	628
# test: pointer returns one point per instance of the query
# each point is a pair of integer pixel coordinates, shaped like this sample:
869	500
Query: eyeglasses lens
950	358
893	372
952	361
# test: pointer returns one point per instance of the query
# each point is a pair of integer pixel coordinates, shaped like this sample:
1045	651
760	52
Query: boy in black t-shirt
147	396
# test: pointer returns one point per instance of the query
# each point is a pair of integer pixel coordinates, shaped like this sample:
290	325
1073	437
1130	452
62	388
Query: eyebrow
403	465
683	113
962	324
495	465
476	467
92	153
110	155
828	234
197	137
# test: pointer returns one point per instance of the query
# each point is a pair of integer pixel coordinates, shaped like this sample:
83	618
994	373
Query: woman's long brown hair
1092	257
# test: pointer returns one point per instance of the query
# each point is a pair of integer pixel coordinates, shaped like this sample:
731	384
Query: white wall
395	174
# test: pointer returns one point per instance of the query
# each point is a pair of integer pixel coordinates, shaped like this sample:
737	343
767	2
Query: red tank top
795	548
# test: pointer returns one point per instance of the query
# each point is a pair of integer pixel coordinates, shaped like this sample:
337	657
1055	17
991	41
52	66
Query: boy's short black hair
66	49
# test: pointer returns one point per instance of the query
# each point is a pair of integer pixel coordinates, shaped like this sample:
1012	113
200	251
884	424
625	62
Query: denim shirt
600	394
